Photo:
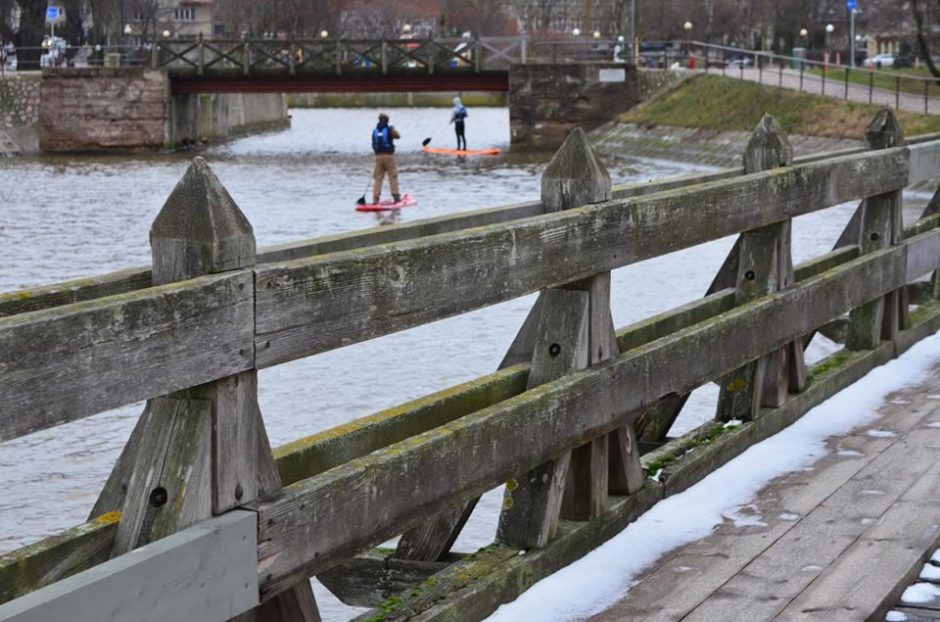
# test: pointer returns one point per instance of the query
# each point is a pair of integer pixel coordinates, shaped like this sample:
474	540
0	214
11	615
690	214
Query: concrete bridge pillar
547	101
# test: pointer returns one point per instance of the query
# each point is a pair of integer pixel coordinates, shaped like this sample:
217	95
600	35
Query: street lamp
166	34
597	34
576	32
324	34
829	29
803	32
406	29
687	27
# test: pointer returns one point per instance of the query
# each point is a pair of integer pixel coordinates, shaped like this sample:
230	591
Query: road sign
851	5
52	12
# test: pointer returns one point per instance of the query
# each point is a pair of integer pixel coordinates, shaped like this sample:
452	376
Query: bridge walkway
840	540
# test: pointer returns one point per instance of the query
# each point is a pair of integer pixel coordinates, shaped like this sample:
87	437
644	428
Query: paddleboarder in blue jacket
383	145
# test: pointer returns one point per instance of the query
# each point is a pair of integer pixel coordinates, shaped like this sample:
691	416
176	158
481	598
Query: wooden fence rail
572	401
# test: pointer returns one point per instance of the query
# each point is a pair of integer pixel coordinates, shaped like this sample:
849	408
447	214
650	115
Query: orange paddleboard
464	152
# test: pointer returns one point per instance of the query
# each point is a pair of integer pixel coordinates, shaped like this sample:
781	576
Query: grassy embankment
728	104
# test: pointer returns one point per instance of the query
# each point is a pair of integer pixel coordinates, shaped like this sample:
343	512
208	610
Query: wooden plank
122	349
873	572
170	487
532	502
204	573
476	452
34	566
822	534
312	305
132	279
368	579
76	290
476	587
473	591
922	251
705	571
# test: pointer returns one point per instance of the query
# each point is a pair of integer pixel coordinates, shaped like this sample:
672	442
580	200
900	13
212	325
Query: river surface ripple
67	217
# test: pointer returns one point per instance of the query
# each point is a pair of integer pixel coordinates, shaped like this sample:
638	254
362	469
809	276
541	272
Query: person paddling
457	118
383	144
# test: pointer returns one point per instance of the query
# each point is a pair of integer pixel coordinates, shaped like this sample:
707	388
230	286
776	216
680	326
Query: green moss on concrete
729	104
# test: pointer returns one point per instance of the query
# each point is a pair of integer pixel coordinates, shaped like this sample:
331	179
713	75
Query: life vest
460	114
382	141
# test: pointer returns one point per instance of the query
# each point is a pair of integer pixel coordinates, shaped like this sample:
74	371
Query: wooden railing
563	419
250	57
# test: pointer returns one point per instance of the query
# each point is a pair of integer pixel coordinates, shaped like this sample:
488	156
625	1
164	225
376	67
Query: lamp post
829	29
324	34
166	34
597	34
576	32
687	27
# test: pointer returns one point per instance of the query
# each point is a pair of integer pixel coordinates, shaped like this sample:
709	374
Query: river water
66	217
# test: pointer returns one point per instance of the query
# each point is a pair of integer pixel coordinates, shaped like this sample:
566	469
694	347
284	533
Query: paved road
834	87
830	543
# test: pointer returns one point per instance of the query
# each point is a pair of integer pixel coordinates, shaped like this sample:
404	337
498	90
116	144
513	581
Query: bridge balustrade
201	519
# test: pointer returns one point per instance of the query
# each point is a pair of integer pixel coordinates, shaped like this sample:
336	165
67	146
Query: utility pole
852	6
633	43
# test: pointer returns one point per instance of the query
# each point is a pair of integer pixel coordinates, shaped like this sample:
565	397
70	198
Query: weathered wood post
767	148
202	451
570	327
764	265
880	228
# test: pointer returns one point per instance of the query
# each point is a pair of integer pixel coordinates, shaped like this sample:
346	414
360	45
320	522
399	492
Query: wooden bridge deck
839	541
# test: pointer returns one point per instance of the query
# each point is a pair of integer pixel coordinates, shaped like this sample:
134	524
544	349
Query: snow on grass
881	433
606	574
920	593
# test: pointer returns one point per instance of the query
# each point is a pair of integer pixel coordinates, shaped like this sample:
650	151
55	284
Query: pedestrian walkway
833	87
836	541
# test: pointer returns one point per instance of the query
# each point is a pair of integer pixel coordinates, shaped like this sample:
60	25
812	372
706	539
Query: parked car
880	60
741	61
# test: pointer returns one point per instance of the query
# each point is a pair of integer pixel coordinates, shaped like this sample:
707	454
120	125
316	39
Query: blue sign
52	12
851	5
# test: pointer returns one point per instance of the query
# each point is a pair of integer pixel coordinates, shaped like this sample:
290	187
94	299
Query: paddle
427	141
362	199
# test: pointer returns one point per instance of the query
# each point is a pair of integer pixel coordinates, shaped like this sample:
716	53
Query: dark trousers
458	127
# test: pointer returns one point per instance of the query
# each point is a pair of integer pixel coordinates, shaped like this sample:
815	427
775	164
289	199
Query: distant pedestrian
457	118
383	144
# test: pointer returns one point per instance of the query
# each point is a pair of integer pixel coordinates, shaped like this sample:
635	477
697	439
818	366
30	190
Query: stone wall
122	109
547	101
103	109
19	113
19	100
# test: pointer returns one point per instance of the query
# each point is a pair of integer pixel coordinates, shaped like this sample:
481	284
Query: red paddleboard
464	152
406	201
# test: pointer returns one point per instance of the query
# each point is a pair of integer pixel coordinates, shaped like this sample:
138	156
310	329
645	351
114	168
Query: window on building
184	14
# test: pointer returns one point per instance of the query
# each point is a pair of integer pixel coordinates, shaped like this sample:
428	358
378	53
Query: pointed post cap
575	176
884	131
200	229
768	147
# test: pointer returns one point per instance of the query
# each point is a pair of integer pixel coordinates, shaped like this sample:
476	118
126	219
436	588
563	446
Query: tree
923	41
29	35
